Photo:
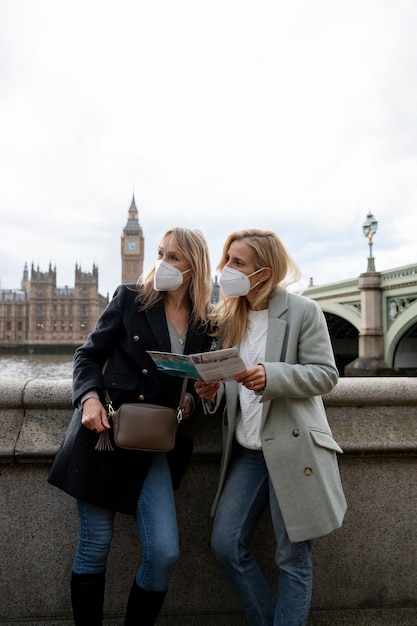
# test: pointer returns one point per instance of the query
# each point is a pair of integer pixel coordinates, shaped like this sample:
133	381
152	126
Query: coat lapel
277	327
276	336
158	325
196	340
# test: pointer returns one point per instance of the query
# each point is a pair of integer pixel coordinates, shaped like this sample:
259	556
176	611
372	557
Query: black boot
87	596
143	606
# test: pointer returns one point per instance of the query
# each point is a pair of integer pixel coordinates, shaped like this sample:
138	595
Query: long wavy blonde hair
193	245
268	251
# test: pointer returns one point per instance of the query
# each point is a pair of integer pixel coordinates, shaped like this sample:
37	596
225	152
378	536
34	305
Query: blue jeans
245	496
156	521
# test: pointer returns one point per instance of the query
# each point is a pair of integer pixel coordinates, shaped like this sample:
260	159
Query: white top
252	350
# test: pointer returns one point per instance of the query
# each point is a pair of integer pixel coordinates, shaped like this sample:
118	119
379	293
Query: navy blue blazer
121	338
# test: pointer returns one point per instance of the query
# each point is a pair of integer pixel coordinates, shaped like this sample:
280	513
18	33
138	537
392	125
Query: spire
133	217
132	244
133	204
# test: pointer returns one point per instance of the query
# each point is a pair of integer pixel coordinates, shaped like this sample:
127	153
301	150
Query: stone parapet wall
365	572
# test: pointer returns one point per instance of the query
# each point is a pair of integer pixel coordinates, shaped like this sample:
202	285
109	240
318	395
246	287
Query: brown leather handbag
143	427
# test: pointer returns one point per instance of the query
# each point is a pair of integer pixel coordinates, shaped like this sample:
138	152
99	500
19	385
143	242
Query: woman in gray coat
278	448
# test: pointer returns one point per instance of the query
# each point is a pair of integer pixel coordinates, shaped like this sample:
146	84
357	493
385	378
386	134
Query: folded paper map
215	366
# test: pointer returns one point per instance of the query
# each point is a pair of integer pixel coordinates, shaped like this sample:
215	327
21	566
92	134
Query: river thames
51	366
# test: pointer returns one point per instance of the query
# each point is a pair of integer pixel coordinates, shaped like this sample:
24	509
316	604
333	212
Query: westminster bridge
379	308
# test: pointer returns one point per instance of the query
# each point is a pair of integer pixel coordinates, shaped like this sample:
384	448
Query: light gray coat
297	442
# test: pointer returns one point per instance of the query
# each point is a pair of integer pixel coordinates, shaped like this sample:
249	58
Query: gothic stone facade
41	313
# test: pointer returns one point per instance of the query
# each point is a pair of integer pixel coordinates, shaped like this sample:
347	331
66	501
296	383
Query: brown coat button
141	397
145	372
136	338
308	471
296	432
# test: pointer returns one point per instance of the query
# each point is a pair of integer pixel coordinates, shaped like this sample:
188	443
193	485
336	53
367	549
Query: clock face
131	246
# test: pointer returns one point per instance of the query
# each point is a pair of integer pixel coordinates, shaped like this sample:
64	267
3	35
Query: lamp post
370	359
369	229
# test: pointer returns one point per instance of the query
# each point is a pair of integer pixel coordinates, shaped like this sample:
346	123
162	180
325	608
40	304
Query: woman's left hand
253	378
206	391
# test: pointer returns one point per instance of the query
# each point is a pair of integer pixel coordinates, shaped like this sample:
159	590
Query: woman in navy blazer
278	449
169	312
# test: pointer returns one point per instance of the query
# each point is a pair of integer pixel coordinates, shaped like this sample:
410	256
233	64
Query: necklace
180	336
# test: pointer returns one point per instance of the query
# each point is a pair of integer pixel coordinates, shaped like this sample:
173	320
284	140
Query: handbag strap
104	443
183	391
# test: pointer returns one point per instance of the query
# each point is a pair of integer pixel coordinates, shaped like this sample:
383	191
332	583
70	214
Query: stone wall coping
373	391
44	393
26	393
367	415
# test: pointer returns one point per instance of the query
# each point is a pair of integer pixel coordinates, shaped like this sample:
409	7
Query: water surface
51	366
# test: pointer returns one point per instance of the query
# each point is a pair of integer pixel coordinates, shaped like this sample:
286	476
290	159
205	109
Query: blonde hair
193	246
268	251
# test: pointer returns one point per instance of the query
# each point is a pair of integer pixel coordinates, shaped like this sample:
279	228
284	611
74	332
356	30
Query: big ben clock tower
132	245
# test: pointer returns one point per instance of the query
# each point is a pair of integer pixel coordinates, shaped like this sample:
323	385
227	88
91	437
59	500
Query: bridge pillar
370	361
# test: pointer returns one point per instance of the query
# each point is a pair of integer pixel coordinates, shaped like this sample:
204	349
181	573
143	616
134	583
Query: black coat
121	337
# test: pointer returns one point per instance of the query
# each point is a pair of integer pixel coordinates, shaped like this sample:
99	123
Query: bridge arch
345	300
401	340
344	311
344	338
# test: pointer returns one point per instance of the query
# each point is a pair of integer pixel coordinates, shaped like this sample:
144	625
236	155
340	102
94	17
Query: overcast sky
296	116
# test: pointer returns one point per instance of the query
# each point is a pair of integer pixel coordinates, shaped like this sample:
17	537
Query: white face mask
234	283
167	277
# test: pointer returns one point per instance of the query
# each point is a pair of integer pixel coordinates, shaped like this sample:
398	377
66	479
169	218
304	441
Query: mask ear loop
255	285
259	281
188	277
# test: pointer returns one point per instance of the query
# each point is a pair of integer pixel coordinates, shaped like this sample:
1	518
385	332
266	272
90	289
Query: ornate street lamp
369	229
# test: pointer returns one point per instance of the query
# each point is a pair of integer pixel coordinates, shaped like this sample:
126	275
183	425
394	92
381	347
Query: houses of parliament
42	316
